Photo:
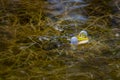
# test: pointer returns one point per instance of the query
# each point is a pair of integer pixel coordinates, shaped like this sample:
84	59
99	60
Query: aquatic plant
31	48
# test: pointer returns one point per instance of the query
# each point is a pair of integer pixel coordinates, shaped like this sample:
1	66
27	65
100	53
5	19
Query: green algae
24	57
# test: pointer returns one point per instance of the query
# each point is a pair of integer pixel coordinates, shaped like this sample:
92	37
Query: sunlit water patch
64	11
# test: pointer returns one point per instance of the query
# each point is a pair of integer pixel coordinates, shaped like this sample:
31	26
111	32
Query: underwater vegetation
32	47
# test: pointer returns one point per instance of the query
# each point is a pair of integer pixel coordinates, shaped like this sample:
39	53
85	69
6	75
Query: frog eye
83	33
74	40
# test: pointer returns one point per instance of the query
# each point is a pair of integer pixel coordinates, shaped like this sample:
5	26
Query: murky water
43	59
67	11
72	13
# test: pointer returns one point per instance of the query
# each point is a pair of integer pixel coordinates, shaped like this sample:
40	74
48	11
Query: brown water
64	11
90	66
35	60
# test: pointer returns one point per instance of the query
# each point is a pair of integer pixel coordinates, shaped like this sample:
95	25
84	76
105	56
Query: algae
24	57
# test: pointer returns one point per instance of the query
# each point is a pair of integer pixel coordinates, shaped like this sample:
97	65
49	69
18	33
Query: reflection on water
67	10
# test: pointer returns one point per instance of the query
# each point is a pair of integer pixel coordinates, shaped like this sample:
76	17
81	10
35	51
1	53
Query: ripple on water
67	10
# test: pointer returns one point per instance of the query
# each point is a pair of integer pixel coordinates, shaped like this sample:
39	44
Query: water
67	11
72	13
66	15
46	60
